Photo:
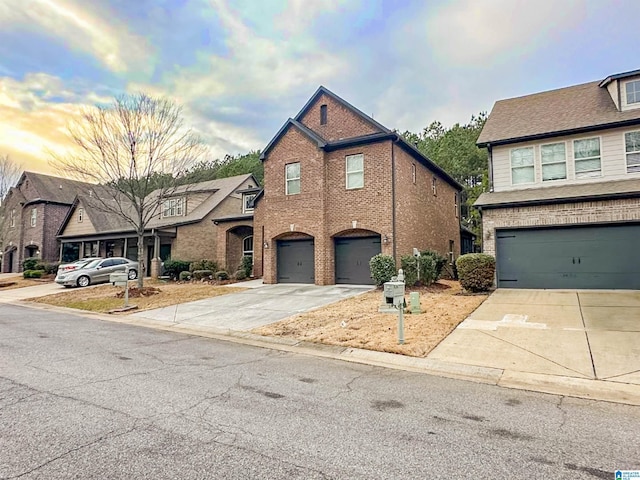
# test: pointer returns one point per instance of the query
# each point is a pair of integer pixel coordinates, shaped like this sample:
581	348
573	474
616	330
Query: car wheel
83	281
133	274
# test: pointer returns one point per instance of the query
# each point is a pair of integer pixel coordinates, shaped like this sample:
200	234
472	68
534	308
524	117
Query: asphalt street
84	398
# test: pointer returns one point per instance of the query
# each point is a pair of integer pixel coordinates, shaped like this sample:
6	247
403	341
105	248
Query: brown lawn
443	303
104	298
19	282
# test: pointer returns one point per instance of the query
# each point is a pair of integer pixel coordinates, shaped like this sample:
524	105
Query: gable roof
53	189
310	134
576	109
111	222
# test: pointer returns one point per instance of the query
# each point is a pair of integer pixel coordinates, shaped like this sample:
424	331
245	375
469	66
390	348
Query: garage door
295	261
581	257
352	259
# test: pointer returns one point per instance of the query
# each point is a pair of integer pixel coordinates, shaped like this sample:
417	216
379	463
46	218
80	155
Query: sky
240	68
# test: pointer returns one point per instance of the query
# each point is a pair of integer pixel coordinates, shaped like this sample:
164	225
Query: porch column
156	261
98	249
124	248
81	250
60	256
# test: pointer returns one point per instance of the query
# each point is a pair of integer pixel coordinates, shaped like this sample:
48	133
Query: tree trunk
142	267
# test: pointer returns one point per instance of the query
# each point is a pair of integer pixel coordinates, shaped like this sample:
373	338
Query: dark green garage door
352	259
295	261
581	257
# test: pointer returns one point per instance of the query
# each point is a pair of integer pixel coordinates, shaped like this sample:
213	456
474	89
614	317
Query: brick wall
622	210
53	217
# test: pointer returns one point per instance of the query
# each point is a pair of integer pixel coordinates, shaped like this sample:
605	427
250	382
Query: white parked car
97	271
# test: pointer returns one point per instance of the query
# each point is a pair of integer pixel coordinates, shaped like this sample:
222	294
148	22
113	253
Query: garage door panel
296	261
582	257
352	256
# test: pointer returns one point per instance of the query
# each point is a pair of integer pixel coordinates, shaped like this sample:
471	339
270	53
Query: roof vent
90	193
60	187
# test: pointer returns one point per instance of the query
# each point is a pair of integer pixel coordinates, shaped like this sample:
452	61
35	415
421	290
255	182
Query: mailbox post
121	279
394	293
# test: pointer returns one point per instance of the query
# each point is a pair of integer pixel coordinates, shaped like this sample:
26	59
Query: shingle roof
561	194
54	189
563	111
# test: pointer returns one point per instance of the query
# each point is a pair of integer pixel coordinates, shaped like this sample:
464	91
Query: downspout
490	155
393	198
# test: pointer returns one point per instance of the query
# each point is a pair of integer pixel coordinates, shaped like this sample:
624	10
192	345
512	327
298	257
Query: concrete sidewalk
17	294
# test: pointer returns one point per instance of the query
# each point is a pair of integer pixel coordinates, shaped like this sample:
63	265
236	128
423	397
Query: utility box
394	293
119	279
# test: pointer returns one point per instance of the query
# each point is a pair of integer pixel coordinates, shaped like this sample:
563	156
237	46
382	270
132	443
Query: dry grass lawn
103	298
19	282
444	306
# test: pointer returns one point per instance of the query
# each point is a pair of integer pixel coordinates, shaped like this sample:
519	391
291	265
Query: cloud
98	33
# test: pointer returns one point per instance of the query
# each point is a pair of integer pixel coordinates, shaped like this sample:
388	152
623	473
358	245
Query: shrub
184	276
203	265
476	271
383	267
246	266
410	266
221	275
240	275
173	268
33	273
50	268
200	274
30	263
438	260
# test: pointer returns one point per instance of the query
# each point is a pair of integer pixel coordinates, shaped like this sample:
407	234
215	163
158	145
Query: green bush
476	271
31	263
203	265
184	276
50	268
33	273
173	268
221	275
410	266
200	274
438	260
383	267
246	266
240	275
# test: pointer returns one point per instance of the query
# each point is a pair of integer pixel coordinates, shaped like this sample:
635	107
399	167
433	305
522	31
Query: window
633	92
455	203
413	173
12	216
80	214
434	186
586	154
247	246
554	161
173	207
522	167
355	171
632	149
292	175
323	114
247	202
34	216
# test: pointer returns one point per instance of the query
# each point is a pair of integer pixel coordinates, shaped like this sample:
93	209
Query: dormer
624	89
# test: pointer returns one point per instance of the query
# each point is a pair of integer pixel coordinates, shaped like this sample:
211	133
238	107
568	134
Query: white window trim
626	99
456	205
434	186
624	143
353	172
80	215
293	179
246	196
414	173
573	148
34	217
247	252
566	169
12	216
535	173
177	207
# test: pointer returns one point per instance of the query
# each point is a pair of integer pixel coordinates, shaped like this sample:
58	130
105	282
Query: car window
107	263
92	264
119	261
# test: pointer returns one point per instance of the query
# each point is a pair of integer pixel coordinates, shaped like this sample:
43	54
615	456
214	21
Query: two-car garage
594	256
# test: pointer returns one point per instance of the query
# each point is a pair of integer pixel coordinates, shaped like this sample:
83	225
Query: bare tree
9	175
136	148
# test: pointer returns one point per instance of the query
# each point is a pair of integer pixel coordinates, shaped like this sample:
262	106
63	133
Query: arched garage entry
295	259
353	250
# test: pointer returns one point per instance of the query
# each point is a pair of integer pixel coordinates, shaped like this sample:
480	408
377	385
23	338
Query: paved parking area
253	307
585	334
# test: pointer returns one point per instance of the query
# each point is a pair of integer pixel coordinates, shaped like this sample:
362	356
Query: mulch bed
135	292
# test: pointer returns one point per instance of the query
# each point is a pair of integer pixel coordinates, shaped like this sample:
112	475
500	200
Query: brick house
34	210
563	209
210	220
341	188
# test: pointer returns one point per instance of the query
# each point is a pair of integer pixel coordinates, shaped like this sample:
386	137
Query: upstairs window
34	216
434	186
173	207
632	150
413	173
455	203
586	154
247	202
355	171
323	114
292	176
633	92
12	217
522	167
80	215
554	161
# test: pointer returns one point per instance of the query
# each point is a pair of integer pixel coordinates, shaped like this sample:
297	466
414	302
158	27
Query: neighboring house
34	210
208	220
564	205
341	188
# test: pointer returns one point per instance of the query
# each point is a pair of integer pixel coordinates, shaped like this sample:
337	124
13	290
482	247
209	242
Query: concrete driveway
253	307
585	334
23	293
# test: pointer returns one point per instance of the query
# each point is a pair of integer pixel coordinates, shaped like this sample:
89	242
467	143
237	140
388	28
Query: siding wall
612	151
74	227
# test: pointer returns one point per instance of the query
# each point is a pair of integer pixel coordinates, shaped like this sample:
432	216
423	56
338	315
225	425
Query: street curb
607	391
